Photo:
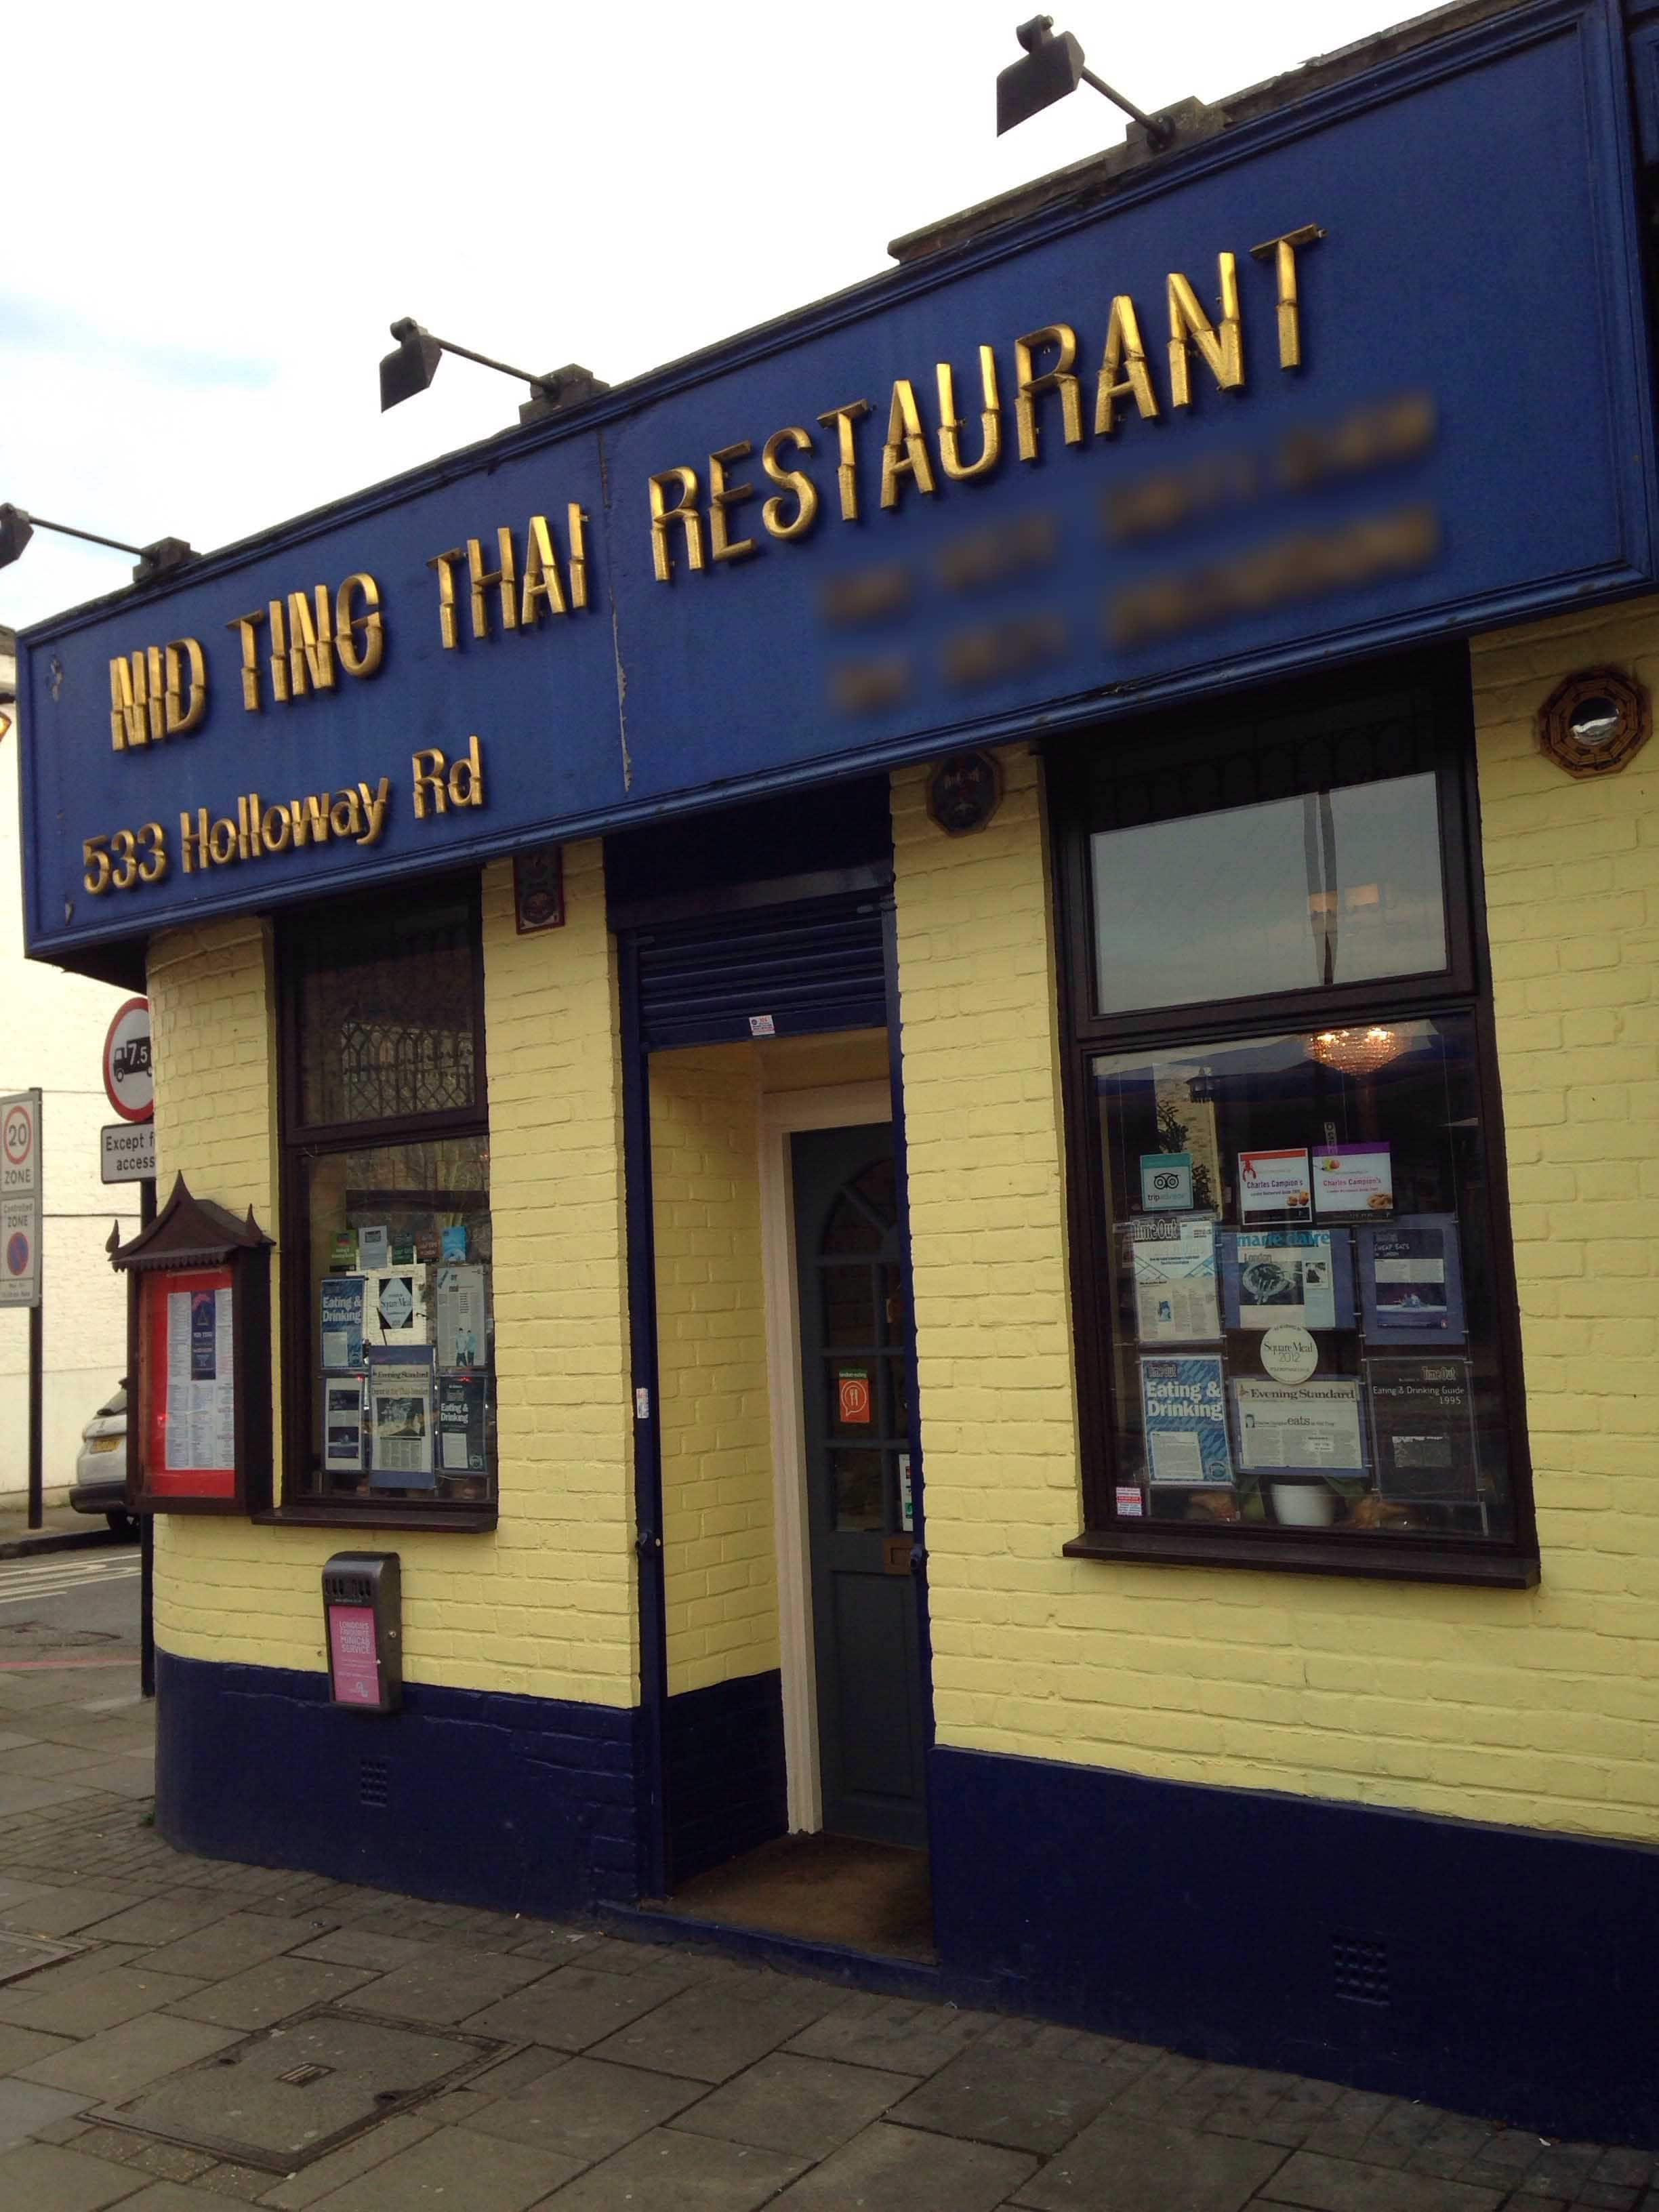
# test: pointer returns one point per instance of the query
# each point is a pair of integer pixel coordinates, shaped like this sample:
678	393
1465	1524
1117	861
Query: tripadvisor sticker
1289	1354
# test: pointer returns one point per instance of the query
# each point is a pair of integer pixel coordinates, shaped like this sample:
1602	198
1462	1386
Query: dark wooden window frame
1071	767
299	1505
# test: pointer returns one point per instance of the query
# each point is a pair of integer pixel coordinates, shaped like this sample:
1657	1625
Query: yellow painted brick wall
721	1568
1533	1707
546	1604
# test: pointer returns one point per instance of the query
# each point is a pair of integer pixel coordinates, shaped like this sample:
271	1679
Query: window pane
1304	1327
402	1322
387	1016
1336	887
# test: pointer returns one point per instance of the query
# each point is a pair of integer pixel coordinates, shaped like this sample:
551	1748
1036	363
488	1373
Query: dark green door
854	1398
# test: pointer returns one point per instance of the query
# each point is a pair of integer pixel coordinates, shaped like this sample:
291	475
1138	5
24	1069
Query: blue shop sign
1368	370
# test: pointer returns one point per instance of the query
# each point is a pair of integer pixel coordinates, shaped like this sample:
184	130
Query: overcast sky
214	213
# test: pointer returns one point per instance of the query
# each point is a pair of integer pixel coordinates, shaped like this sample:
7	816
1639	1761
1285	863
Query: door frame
833	1106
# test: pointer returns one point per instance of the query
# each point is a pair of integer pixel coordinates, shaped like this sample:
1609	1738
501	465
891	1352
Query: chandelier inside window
1359	1051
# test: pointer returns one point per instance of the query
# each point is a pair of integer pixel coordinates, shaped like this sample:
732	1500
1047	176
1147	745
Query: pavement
60	1530
178	2033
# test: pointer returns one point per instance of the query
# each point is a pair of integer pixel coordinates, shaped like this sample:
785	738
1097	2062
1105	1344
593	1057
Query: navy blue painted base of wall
527	1804
727	1792
1501	1971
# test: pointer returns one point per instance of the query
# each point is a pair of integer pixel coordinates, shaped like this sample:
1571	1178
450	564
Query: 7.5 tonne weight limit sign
19	1199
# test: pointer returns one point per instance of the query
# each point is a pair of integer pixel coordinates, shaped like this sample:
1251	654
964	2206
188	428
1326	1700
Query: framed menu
198	1360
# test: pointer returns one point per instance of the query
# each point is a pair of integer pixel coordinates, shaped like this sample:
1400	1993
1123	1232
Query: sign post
126	1154
20	1251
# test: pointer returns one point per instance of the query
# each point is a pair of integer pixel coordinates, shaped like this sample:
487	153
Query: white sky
212	213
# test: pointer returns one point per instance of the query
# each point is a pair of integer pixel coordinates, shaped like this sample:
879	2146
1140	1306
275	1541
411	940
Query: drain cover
287	2096
24	1954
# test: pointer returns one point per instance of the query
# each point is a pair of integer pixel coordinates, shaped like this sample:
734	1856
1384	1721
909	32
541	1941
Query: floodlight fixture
413	366
17	527
1053	67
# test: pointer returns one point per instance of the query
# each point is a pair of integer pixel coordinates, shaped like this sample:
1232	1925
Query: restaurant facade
944	1025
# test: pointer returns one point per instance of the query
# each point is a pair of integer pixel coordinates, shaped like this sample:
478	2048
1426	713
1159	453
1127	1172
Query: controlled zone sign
19	1199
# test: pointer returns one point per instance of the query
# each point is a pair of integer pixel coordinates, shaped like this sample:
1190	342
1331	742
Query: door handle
903	1555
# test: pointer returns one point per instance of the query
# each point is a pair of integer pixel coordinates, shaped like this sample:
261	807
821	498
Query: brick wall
545	1604
1533	1707
718	1541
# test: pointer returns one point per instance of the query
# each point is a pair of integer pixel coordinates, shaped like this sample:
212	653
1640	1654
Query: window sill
1370	1558
435	1520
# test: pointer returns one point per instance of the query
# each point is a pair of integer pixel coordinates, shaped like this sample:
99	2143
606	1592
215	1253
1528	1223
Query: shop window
1298	1342
389	1317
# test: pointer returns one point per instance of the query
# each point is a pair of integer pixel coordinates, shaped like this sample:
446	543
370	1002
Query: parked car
100	1466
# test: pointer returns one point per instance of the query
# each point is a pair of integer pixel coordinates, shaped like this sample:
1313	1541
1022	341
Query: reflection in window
1334	887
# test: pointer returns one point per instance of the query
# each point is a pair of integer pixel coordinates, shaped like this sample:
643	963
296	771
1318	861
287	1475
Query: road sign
126	1062
127	1151
19	1199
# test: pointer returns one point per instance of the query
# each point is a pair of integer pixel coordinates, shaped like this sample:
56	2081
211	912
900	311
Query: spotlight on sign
1053	67
413	366
16	528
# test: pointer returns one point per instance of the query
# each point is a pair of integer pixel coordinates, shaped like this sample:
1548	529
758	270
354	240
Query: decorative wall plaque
964	791
1594	722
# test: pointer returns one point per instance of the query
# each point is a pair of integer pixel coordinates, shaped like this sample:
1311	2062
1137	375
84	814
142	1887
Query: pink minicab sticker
351	1652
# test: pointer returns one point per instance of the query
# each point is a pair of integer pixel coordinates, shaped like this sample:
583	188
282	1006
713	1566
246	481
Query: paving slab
806	2107
583	2108
1020	2098
275	1990
158	1920
21	2046
25	1794
1125	2163
47	2177
893	2032
298	2191
667	2171
25	2108
574	2007
1332	2185
94	2001
361	1947
63	1911
446	2169
169	2197
123	2060
900	2170
711	2032
230	1946
446	1984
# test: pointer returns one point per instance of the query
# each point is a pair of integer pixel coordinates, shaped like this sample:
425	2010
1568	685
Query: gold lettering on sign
542	589
359	654
441	783
723	496
793	480
148	699
311	653
504	577
444	564
950	428
905	453
1220	343
664	517
841	420
1029	385
1283	253
1123	371
310	636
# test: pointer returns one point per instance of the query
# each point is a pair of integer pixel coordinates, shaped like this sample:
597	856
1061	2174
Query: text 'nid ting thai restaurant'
905	1084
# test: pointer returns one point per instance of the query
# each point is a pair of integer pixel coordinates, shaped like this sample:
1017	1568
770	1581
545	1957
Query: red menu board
188	1411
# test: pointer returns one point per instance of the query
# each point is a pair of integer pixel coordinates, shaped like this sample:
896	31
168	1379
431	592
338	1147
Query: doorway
855	1426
